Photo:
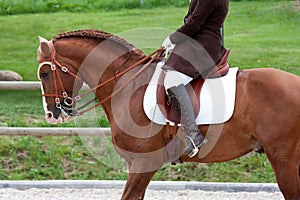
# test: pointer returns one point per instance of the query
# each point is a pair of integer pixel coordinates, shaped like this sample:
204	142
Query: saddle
193	89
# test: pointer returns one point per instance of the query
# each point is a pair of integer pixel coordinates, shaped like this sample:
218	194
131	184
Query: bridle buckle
53	67
64	69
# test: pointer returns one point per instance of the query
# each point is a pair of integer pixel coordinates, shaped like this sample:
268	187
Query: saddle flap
193	90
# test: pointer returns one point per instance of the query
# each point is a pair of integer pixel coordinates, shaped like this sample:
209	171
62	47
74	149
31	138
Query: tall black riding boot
183	106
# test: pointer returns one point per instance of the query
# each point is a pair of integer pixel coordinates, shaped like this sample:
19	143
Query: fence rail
24	85
154	185
37	131
20	85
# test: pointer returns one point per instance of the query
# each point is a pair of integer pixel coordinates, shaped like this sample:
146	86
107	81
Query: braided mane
101	35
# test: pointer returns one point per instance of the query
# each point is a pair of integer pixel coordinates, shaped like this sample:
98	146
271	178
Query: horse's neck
102	62
105	61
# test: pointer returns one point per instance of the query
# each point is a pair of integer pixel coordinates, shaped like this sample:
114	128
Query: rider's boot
183	107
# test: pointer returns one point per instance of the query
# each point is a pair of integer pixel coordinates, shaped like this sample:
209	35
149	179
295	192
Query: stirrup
195	149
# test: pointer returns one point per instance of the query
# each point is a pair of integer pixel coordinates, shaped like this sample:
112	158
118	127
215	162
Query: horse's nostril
49	115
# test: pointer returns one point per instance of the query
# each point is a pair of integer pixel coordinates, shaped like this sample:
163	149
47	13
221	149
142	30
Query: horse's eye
44	75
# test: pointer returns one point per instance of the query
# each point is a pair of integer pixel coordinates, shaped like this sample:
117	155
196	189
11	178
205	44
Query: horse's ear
44	47
42	39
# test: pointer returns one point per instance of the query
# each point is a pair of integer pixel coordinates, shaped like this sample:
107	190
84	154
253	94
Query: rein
156	54
69	101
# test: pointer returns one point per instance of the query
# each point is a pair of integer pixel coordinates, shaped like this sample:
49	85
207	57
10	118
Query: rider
196	48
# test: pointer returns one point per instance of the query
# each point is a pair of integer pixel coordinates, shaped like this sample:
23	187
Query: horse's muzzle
50	118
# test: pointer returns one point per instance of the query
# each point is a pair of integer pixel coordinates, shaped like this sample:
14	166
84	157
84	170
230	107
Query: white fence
154	185
18	131
24	85
20	85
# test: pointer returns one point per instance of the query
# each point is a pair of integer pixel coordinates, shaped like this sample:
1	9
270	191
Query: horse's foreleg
136	185
299	171
287	175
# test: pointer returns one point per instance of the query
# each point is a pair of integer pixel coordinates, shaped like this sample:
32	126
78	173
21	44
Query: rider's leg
183	106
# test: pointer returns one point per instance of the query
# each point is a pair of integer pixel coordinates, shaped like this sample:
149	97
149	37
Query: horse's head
60	83
96	57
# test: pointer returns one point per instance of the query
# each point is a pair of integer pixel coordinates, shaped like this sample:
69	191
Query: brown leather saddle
193	89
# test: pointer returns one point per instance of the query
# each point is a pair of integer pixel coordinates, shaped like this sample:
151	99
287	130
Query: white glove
168	45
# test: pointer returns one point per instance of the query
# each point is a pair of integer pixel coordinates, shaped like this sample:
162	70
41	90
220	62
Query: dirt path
109	194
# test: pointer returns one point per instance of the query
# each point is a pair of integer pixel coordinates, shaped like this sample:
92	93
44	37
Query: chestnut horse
266	116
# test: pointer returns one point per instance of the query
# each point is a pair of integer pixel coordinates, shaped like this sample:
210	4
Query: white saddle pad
217	97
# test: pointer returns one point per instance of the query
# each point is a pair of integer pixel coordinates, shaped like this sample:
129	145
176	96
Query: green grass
265	36
250	168
259	33
28	158
19	33
8	7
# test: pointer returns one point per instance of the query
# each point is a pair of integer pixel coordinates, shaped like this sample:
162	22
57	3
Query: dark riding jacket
199	41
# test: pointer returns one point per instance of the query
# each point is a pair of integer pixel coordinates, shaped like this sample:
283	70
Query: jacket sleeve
193	23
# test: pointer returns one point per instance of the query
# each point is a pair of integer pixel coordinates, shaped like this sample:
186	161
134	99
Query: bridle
68	101
53	63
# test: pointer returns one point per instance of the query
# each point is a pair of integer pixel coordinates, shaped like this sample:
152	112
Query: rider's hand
168	45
